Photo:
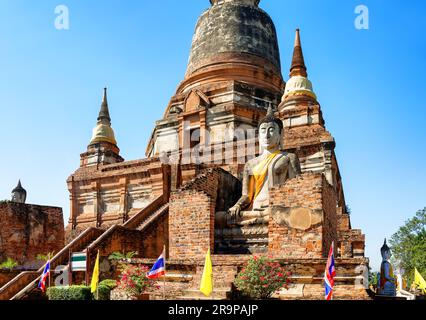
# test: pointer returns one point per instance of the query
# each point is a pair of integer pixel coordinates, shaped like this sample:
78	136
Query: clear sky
370	84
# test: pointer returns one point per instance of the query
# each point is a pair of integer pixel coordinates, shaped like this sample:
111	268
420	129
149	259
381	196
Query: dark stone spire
18	187
19	194
104	113
298	67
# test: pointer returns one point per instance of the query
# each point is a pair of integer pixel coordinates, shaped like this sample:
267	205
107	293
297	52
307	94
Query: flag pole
69	268
48	261
97	284
86	274
164	277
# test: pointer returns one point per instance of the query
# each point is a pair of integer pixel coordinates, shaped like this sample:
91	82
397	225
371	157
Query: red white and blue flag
45	274
159	268
329	274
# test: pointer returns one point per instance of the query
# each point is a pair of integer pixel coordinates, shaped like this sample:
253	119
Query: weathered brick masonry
28	230
310	191
192	212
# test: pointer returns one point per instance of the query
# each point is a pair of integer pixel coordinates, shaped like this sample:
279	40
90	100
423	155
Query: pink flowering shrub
261	278
134	281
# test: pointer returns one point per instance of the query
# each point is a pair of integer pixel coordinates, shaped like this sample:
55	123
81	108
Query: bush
118	256
109	283
133	280
104	293
44	257
69	293
104	289
261	278
9	264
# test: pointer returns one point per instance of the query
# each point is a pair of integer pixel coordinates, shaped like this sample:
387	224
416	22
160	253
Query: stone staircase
142	219
25	282
146	221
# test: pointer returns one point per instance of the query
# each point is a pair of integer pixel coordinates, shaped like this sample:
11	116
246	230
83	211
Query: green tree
409	245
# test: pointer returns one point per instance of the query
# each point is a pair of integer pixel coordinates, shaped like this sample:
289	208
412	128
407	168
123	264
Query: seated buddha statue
387	281
271	168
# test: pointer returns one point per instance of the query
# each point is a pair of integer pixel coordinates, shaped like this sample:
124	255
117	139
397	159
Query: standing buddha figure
387	281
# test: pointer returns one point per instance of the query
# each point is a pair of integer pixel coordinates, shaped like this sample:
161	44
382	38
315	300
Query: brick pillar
191	224
303	218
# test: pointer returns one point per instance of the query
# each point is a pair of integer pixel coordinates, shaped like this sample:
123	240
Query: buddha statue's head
386	252
270	131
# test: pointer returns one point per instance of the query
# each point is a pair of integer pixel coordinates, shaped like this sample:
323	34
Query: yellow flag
95	276
207	279
419	281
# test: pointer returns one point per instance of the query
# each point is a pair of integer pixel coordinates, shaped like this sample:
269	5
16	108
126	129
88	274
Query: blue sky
370	84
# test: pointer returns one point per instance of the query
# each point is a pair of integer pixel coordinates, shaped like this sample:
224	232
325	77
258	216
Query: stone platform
184	276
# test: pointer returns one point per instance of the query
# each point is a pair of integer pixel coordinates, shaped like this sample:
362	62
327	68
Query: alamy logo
362	21
62	20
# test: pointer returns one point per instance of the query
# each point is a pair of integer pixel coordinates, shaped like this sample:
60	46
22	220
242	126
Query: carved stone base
247	234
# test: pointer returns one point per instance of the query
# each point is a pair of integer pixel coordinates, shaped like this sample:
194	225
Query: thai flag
329	274
159	268
45	274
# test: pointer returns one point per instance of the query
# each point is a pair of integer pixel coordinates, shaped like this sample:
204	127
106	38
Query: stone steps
152	217
217	294
177	277
242	240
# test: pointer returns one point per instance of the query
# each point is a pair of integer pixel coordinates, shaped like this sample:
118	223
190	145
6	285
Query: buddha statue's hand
235	211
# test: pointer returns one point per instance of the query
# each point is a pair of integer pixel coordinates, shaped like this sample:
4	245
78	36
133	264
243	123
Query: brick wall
192	210
155	237
28	230
329	203
309	191
191	223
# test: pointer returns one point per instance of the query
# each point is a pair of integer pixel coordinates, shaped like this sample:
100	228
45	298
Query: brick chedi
195	163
